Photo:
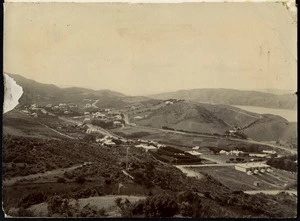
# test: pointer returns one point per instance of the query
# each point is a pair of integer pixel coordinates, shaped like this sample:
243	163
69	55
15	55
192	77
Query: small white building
258	155
196	148
118	117
99	115
146	147
269	151
168	102
223	152
195	153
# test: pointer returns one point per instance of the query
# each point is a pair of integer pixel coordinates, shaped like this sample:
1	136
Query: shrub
61	180
80	179
32	199
22	212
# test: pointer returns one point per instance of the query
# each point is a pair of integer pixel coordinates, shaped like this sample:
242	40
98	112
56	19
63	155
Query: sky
142	49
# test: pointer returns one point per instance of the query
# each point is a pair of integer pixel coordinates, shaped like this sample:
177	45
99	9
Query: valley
65	151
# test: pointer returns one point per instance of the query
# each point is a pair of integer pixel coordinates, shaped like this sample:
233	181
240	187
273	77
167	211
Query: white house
269	151
195	153
146	147
195	148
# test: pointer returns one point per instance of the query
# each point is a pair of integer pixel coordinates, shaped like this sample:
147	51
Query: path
94	104
65	135
13	180
270	192
189	172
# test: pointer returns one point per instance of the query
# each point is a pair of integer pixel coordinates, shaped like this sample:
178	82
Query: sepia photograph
135	110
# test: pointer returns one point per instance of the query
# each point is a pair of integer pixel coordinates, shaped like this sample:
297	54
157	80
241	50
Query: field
20	124
237	180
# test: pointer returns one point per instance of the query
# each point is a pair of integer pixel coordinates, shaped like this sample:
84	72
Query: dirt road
270	192
13	180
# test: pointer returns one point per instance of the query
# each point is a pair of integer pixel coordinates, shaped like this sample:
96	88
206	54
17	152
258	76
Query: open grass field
237	180
19	124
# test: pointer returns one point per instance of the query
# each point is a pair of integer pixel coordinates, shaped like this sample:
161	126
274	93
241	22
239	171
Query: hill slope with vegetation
234	97
43	94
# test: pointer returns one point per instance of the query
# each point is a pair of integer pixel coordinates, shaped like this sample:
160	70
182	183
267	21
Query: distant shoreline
290	115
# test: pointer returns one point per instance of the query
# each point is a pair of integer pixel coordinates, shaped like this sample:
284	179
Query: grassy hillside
185	116
234	97
35	92
273	128
19	124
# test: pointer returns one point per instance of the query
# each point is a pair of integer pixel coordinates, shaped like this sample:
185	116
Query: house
236	152
161	145
86	113
223	152
109	143
117	124
195	153
43	111
34	115
87	120
146	147
168	102
99	115
269	151
258	155
195	148
118	117
256	183
93	131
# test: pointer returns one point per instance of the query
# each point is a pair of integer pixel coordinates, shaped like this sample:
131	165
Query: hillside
273	128
185	116
35	92
208	118
234	97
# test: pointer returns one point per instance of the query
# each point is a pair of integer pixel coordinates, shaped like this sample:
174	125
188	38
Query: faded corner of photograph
117	110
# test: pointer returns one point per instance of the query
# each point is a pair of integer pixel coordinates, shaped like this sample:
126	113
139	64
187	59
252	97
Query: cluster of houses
264	154
171	101
253	168
106	141
34	111
149	145
62	108
106	115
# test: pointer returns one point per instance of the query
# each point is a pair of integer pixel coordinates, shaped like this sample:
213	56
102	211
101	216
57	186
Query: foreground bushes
187	204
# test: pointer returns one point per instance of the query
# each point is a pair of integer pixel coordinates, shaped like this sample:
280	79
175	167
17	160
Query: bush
32	199
80	179
162	205
61	180
22	212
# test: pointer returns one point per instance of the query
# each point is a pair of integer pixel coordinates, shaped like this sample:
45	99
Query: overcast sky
144	49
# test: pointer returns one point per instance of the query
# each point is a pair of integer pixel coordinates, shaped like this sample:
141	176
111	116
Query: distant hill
277	91
43	94
234	97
